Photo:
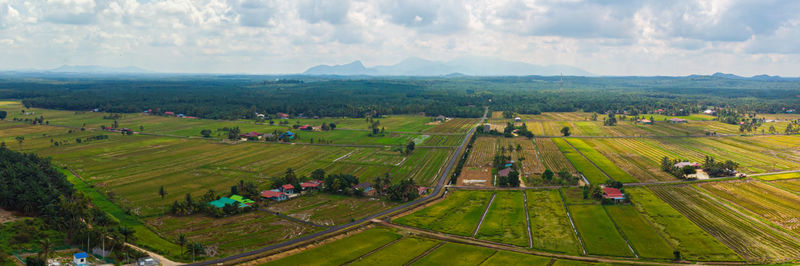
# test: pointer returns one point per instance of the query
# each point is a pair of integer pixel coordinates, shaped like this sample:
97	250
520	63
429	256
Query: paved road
438	189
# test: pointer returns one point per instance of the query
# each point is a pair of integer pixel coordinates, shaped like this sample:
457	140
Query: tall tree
162	192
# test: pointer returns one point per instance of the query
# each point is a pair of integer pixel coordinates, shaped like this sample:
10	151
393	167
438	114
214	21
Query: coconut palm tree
47	248
181	241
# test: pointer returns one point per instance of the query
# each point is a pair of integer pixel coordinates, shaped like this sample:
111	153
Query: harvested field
475	176
529	158
328	209
789	184
771	203
455	125
482	152
773	177
552	156
752	240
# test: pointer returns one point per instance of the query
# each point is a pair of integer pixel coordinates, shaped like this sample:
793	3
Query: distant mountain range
469	66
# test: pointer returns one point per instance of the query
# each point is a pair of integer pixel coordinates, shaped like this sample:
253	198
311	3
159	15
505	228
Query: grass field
328	209
682	233
550	227
341	251
599	235
773	177
601	161
458	214
398	253
456	254
505	221
752	240
231	235
644	238
552	156
592	173
771	203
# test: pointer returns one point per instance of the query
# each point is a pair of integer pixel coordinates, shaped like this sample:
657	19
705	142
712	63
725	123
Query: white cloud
636	37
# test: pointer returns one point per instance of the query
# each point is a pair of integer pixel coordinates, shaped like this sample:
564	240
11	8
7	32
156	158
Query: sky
604	37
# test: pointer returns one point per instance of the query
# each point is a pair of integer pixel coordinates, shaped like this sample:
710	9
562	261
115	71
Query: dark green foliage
341	184
206	133
3	115
404	191
565	131
547	175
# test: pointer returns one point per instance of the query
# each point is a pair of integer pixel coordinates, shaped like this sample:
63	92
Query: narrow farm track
491	200
527	219
572	223
294	219
373	251
429	251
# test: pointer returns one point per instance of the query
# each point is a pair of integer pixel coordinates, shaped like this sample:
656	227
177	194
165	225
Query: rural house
504	172
422	190
644	121
283	115
169	113
274	194
80	259
250	135
678	121
221	202
517	119
613	194
366	187
684	164
440	118
709	112
288	189
313	184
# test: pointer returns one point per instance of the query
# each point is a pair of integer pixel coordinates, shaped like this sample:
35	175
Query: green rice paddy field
457	214
505	221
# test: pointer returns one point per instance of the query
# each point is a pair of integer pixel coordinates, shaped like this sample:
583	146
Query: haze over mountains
472	66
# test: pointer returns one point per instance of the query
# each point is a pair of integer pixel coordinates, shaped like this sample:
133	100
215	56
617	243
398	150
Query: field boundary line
587	158
374	250
484	214
750	215
489	257
569	215
527	218
624	237
429	251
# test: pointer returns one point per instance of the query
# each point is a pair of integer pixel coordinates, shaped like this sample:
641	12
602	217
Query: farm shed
613	193
644	121
274	195
242	200
221	202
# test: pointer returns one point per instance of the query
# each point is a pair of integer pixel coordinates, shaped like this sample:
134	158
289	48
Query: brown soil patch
7	216
475	176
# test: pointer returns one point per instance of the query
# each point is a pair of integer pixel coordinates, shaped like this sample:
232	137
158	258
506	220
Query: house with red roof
306	127
283	115
169	113
311	185
274	194
250	135
288	189
422	190
613	194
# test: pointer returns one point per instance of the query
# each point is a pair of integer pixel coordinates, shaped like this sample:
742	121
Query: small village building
517	119
306	127
287	135
684	164
422	190
613	194
440	118
659	111
365	186
181	115
283	115
790	111
169	113
288	189
242	200
678	121
249	135
487	127
708	112
274	194
221	202
313	184
505	172
80	259
644	121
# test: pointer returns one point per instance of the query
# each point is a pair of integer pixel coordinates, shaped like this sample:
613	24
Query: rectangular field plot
794	175
599	235
341	251
550	227
456	254
629	160
528	157
398	253
455	125
644	238
682	233
752	240
459	213
482	153
552	157
594	175
771	203
790	184
327	209
601	161
505	222
231	234
506	258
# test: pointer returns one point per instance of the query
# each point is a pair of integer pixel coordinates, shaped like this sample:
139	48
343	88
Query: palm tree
181	241
47	248
127	233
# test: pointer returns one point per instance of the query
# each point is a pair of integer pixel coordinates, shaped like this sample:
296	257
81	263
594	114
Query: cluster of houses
252	135
168	113
288	191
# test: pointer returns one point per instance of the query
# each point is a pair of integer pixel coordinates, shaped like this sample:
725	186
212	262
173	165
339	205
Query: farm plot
482	152
752	240
397	253
790	184
772	203
550	227
442	140
327	209
599	235
529	158
594	175
772	177
750	158
601	161
552	157
629	160
644	238
231	234
455	125
505	221
456	254
458	214
341	251
506	258
682	233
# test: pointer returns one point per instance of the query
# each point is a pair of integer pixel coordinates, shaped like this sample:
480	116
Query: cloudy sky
605	37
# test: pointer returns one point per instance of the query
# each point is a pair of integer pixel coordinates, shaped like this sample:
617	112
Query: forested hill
234	97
